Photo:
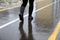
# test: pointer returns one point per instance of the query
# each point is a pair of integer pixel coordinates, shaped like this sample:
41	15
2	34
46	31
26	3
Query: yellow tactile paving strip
7	8
55	32
44	17
11	7
42	3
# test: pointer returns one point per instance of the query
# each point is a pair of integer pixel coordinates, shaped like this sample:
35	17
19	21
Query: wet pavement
40	28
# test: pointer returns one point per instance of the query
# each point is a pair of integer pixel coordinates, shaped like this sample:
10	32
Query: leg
31	8
22	8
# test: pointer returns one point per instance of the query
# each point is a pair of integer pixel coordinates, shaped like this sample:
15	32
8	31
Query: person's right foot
21	17
30	18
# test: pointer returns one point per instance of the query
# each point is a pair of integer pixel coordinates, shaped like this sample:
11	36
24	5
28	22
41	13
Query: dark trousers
22	8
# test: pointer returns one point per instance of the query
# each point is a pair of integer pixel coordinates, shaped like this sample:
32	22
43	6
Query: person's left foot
21	17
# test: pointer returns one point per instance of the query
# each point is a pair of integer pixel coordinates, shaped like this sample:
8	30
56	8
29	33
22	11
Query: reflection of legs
23	35
22	9
30	8
30	35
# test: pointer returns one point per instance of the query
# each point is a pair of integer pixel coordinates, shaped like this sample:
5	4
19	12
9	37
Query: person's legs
31	2
22	8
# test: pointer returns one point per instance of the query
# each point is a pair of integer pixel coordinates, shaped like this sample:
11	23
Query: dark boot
21	13
30	18
20	17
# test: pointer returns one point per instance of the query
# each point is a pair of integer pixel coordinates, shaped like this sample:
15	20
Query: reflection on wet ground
23	35
28	30
22	32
